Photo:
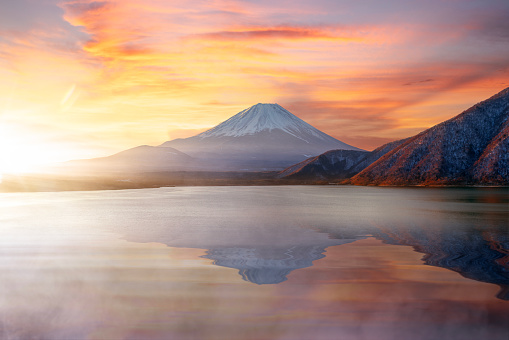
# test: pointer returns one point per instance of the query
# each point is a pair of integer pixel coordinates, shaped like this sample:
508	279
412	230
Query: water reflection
476	254
268	265
267	232
126	264
474	244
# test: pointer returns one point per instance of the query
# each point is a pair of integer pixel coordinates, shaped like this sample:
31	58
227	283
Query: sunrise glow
83	78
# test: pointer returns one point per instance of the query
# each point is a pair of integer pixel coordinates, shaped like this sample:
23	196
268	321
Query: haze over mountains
263	137
143	158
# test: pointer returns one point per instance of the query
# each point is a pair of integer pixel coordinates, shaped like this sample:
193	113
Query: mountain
262	137
331	164
471	148
336	164
142	158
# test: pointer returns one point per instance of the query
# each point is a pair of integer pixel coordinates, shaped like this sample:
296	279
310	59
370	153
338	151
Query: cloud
418	82
356	70
38	24
79	8
86	13
26	15
275	33
367	115
493	26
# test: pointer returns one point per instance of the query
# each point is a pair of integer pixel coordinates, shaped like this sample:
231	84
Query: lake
287	262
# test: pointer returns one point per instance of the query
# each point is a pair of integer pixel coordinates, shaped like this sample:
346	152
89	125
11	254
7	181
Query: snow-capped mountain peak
262	117
262	137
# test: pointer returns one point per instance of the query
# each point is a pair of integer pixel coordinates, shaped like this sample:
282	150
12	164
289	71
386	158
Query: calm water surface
296	262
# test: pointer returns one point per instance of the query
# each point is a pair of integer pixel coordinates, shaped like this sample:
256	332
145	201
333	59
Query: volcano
262	137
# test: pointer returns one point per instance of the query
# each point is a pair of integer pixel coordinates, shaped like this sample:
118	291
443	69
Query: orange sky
85	79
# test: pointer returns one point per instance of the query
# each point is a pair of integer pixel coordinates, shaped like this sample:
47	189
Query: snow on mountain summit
261	117
262	137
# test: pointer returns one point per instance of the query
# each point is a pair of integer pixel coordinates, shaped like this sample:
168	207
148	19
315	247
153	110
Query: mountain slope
331	164
470	148
493	165
336	164
142	158
262	137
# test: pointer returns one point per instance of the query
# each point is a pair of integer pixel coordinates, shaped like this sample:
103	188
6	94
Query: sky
84	79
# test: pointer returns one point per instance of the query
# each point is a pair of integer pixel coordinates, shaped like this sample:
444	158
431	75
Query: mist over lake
292	262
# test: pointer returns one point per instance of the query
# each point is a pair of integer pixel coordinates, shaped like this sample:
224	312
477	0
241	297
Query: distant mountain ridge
143	158
471	148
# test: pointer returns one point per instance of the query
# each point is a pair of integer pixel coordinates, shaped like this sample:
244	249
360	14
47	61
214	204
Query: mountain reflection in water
480	255
267	265
475	254
266	234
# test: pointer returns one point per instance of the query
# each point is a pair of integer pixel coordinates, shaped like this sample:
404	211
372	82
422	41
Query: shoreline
55	183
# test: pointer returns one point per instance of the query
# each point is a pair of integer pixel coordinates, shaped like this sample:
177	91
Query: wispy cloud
276	33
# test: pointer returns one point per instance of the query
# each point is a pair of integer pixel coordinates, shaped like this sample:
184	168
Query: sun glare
21	152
